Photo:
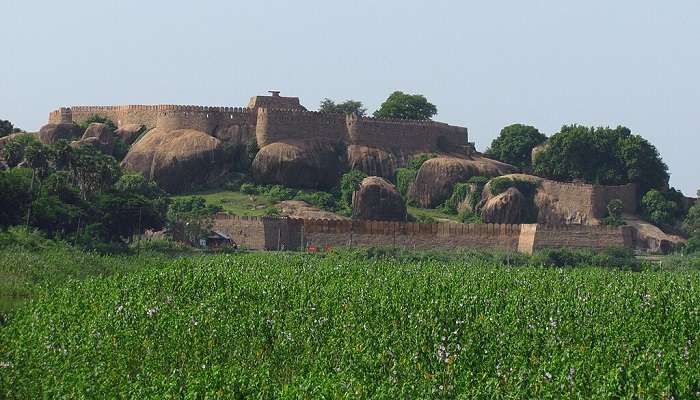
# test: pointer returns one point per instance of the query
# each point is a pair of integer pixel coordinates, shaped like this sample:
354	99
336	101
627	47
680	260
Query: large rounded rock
372	161
178	160
51	133
505	208
129	133
377	199
99	135
306	164
437	176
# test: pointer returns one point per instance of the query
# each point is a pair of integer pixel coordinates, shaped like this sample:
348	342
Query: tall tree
346	107
602	156
406	106
514	145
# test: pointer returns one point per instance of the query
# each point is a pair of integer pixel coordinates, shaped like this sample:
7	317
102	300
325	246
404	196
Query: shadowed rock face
505	208
178	160
306	164
99	135
437	176
377	199
129	133
51	133
372	161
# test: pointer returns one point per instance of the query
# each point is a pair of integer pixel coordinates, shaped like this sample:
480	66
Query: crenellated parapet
276	118
280	125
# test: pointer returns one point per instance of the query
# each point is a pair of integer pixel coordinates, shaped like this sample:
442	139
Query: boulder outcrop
437	176
377	199
505	208
178	160
372	161
51	133
129	133
99	135
303	163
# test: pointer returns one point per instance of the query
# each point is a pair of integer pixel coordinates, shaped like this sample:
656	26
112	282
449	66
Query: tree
6	128
349	183
691	224
406	106
346	107
95	118
602	156
15	195
14	151
191	218
657	209
514	145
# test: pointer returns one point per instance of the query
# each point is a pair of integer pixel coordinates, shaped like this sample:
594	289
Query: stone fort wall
274	125
587	204
269	233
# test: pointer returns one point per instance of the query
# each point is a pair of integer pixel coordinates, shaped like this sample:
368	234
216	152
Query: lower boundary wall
273	233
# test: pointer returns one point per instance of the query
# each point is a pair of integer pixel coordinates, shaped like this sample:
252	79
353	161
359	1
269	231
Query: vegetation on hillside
7	128
346	107
406	106
514	145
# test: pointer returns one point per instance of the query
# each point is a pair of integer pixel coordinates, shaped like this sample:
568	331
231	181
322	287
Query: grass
235	203
349	324
429	213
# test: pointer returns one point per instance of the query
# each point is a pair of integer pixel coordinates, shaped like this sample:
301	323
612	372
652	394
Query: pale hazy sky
484	64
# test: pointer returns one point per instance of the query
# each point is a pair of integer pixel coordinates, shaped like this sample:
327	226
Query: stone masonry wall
583	237
586	204
271	233
400	137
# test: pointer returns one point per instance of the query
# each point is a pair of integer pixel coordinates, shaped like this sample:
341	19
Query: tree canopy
602	156
406	106
514	145
346	107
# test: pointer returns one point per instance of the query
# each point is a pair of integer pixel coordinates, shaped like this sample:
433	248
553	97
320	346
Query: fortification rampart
585	204
401	137
280	125
405	136
271	233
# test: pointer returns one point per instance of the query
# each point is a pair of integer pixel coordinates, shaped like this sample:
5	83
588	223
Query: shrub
614	217
249	188
349	183
95	118
460	192
323	200
499	185
279	193
404	180
657	209
416	162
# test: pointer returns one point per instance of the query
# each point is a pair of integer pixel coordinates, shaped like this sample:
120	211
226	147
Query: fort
276	118
274	233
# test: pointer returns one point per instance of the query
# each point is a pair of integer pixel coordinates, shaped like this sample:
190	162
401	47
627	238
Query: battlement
273	233
276	118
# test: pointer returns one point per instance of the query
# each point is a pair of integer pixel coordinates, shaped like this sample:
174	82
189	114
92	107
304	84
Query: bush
514	145
657	209
470	217
416	162
614	217
249	188
349	183
404	180
499	185
323	200
613	257
279	193
460	192
95	118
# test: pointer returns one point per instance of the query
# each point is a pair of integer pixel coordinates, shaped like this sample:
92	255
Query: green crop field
339	325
